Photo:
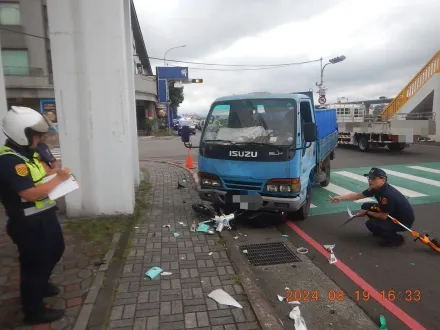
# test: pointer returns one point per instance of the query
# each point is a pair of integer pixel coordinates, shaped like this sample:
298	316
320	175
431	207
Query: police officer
390	202
32	220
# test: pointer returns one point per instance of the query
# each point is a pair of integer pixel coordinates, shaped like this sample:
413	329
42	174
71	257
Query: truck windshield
262	121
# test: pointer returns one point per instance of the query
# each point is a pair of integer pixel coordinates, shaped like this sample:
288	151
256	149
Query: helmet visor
43	125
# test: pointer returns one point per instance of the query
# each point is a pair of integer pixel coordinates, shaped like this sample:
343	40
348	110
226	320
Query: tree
176	98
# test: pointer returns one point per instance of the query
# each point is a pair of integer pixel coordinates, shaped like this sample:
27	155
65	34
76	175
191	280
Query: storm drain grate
269	254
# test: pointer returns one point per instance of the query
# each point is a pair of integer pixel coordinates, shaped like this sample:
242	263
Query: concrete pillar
3	103
88	43
131	92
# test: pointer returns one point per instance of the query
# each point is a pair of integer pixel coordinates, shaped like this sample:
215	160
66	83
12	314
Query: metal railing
24	71
385	117
430	69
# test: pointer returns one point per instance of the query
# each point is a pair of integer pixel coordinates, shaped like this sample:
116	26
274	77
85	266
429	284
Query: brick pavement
74	275
178	301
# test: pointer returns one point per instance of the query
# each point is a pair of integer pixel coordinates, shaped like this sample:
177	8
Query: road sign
322	100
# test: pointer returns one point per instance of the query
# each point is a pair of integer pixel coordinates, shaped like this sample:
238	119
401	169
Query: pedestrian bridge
420	96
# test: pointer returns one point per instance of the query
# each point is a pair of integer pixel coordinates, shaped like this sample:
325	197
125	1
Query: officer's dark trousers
40	243
384	228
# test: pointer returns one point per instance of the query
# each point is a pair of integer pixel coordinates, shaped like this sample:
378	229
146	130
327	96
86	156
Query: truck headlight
208	179
284	185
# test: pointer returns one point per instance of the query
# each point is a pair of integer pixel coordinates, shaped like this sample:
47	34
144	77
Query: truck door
308	155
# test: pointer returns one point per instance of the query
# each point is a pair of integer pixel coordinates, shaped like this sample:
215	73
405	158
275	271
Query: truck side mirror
310	134
184	134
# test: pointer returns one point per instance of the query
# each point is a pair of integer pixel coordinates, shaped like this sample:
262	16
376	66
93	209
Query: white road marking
342	191
413	178
406	192
426	169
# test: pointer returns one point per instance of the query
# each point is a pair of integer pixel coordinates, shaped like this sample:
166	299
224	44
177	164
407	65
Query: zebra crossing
418	182
56	152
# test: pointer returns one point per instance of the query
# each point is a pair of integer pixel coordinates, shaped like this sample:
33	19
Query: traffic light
196	81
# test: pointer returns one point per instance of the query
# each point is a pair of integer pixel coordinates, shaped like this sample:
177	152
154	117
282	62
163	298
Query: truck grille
242	185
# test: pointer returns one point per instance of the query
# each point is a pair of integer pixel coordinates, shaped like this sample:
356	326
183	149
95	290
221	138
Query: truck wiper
259	144
224	141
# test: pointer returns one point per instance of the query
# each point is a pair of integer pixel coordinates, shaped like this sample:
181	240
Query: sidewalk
74	275
178	301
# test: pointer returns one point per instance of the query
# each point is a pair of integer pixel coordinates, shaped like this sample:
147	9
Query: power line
254	67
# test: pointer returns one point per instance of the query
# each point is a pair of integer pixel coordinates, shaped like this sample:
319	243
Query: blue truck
265	152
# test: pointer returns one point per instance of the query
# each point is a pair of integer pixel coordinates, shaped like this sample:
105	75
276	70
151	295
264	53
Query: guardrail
431	68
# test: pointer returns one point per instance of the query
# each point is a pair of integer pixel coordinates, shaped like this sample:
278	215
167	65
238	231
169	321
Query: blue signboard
49	109
172	73
164	76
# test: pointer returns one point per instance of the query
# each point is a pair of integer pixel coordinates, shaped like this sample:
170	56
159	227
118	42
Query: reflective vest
37	172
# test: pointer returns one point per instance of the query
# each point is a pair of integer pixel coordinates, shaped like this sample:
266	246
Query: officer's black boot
46	315
51	291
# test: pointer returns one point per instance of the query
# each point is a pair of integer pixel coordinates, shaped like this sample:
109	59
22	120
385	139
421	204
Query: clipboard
64	188
351	217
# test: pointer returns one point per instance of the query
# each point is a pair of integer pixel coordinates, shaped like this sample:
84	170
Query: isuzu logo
243	154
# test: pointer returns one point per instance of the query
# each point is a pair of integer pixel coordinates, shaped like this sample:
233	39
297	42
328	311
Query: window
15	62
10	13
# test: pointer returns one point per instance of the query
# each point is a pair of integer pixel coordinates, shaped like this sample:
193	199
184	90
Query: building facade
27	63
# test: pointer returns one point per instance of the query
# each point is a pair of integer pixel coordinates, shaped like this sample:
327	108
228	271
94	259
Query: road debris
166	273
302	250
153	272
193	226
182	224
176	234
280	298
223	298
332	258
285	236
295	315
235	237
245	251
180	186
166	226
210	254
383	323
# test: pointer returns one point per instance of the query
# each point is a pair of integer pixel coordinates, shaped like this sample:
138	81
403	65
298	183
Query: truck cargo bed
327	127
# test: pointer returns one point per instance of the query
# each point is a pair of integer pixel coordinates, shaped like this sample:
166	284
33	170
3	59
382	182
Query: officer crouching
32	220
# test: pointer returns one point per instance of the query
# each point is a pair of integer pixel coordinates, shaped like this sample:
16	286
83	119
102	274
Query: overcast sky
386	43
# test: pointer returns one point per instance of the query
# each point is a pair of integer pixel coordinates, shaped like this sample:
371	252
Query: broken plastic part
294	302
332	259
166	226
280	298
285	236
210	254
383	323
329	248
176	234
302	250
245	251
295	315
193	227
203	228
166	274
153	272
223	298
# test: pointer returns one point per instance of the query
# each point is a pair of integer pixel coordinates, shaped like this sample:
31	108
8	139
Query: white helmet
19	119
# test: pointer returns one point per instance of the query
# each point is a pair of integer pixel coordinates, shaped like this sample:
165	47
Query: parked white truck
365	129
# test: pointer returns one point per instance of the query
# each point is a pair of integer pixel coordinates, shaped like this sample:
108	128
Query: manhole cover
269	254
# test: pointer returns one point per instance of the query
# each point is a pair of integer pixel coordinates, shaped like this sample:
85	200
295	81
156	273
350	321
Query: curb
193	173
261	306
264	311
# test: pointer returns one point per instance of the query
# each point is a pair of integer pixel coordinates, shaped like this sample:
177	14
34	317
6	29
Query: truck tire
396	146
303	212
363	144
326	182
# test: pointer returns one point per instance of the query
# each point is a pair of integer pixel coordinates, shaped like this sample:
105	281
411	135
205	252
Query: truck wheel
326	182
363	144
303	212
396	147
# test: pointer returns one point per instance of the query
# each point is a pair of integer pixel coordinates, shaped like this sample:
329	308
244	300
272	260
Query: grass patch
163	133
221	241
236	279
97	233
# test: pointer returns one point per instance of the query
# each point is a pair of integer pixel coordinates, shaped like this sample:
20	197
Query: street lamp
164	57
331	61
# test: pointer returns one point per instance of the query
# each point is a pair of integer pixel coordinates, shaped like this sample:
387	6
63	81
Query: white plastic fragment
302	250
294	302
329	248
166	273
295	315
166	226
210	254
245	251
332	259
280	298
223	298
182	224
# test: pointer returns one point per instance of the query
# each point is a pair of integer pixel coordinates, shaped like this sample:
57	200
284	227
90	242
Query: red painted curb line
392	308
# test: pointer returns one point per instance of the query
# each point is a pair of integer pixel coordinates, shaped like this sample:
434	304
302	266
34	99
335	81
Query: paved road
404	272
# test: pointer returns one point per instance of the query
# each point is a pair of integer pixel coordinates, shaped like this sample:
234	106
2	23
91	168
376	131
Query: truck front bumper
291	204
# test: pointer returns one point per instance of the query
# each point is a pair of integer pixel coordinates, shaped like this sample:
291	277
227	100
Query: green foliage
176	98
151	124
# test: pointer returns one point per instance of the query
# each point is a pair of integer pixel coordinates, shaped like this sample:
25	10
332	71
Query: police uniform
33	226
391	201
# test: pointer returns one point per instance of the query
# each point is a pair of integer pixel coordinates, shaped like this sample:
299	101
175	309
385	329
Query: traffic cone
189	161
